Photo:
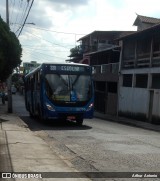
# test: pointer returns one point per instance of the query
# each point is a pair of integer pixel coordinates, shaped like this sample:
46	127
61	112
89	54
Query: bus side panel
42	102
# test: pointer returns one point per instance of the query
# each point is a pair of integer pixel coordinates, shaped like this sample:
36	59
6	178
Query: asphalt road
98	145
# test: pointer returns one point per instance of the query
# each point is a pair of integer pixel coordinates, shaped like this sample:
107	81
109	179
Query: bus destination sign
67	68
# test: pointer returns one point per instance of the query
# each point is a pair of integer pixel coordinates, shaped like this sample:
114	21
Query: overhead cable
26	18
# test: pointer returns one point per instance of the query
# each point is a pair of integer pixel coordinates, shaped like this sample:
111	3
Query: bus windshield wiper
64	81
72	83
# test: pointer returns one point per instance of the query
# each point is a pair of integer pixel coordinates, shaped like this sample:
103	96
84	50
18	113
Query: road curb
129	122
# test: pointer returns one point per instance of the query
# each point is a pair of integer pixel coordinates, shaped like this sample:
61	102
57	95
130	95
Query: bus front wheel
79	121
40	117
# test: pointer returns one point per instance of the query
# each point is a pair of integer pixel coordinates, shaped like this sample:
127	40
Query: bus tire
3	100
79	121
31	115
40	117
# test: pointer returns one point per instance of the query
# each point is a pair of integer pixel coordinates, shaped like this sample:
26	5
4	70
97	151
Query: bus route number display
67	68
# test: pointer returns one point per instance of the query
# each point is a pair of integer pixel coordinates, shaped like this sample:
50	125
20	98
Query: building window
156	81
141	80
127	80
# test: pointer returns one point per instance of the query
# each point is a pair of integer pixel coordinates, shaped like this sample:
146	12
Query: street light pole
9	80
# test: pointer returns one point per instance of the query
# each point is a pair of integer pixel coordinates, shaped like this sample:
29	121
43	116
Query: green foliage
10	51
17	80
74	52
15	77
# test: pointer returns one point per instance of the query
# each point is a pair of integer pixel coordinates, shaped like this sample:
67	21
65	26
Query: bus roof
63	63
55	63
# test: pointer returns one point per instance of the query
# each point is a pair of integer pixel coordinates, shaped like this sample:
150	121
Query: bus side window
32	84
26	84
29	84
38	81
35	81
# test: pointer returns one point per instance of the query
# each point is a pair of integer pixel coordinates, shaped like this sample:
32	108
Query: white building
29	66
139	73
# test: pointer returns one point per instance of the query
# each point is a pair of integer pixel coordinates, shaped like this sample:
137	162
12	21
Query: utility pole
9	80
7	13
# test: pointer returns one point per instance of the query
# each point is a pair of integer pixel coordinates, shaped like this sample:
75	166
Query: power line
43	29
68	33
48	55
28	54
18	13
24	12
30	47
49	41
15	19
54	31
43	56
26	18
36	45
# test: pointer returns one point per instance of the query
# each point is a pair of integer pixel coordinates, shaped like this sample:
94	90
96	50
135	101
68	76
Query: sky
58	24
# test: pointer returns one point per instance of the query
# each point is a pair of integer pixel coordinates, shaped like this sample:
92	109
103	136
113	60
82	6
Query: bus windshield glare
62	88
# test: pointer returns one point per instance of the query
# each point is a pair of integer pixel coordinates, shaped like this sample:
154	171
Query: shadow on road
36	125
3	120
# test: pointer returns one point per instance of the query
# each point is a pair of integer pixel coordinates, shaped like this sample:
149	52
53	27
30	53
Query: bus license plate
71	117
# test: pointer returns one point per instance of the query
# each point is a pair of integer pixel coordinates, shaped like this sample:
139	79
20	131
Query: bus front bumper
64	112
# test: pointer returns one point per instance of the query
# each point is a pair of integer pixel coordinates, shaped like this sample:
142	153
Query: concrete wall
156	104
136	103
133	101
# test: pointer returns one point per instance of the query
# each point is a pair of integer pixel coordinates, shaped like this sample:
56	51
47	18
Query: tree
17	80
74	52
10	51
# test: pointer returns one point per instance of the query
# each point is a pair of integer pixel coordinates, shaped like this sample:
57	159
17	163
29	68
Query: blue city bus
60	91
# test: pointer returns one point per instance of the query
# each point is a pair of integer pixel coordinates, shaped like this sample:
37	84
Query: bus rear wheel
31	114
79	121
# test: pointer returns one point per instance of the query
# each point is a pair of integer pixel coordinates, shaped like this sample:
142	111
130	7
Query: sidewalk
22	151
128	121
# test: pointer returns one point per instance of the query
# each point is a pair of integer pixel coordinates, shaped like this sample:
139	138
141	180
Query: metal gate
99	102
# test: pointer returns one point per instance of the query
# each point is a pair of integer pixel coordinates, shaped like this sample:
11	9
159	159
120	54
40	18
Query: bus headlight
90	107
49	107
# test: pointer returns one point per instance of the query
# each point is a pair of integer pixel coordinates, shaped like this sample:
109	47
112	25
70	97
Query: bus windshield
68	88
